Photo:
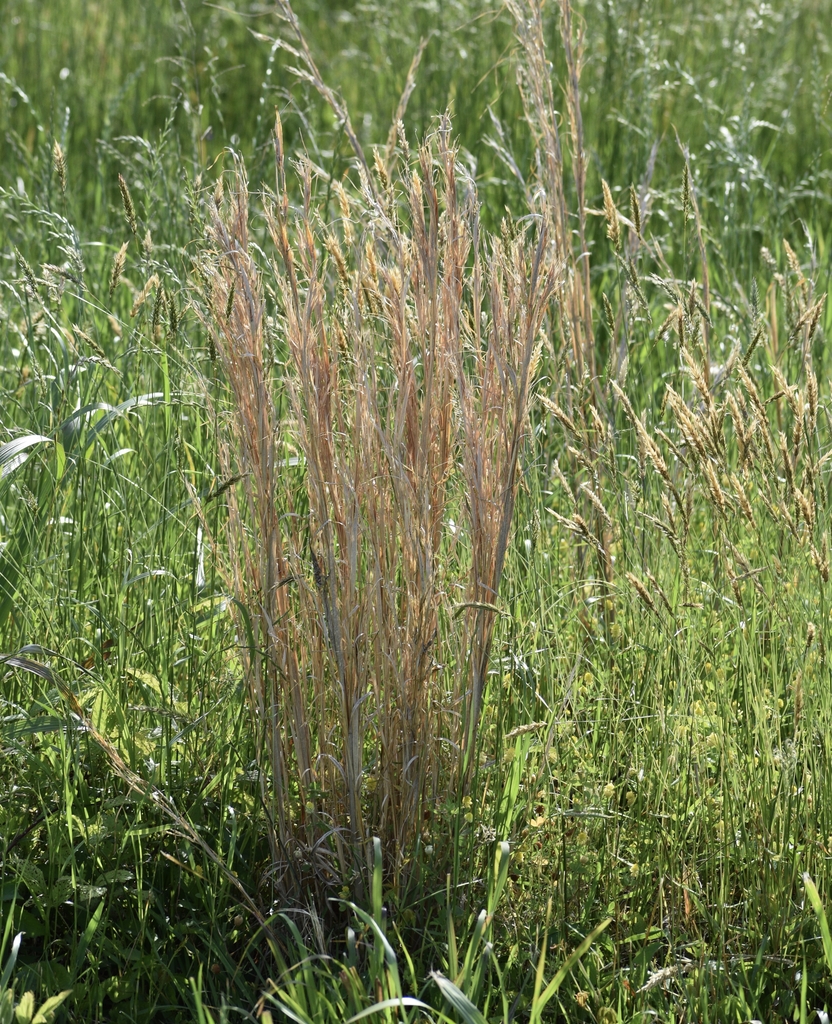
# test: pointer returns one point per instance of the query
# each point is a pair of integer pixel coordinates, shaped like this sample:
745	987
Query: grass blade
571	961
820	913
458	1000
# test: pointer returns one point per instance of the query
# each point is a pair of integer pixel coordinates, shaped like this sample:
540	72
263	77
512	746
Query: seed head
787	462
59	162
635	210
791	256
158	305
742	498
821	560
642	592
686	194
334	250
755	341
118	266
151	283
611	215
811	399
609	315
28	273
127	202
381	170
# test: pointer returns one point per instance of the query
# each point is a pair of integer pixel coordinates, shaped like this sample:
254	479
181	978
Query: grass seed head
158	307
755	341
118	267
821	560
343	200
127	203
559	414
611	215
610	316
816	311
597	503
59	163
793	261
381	170
806	503
686	192
642	592
742	499
797	438
334	250
635	210
563	482
714	488
229	302
787	462
28	273
669	321
811	400
172	311
151	283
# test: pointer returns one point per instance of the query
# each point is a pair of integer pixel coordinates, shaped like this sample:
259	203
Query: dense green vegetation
414	539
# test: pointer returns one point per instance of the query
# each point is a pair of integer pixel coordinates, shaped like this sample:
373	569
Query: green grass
653	744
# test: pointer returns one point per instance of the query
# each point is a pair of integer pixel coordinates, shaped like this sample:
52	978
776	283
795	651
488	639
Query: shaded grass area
653	739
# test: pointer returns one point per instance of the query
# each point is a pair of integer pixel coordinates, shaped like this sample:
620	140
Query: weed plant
414	535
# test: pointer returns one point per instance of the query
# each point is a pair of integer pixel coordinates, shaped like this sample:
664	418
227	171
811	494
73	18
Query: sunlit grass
652	743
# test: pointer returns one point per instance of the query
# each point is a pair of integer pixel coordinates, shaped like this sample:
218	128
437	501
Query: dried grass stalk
408	379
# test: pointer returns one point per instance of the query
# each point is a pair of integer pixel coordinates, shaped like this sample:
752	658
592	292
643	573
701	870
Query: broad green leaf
25	1009
46	1014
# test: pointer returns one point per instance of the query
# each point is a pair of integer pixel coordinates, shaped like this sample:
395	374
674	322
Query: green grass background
675	791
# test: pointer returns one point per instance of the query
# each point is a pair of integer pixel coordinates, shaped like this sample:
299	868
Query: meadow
415	491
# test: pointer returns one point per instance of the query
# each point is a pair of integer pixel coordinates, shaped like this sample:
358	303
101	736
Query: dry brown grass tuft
410	356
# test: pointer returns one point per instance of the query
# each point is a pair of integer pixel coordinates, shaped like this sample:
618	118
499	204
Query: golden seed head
370	255
811	399
334	250
791	256
380	169
151	283
118	266
611	215
635	210
127	202
642	592
815	317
